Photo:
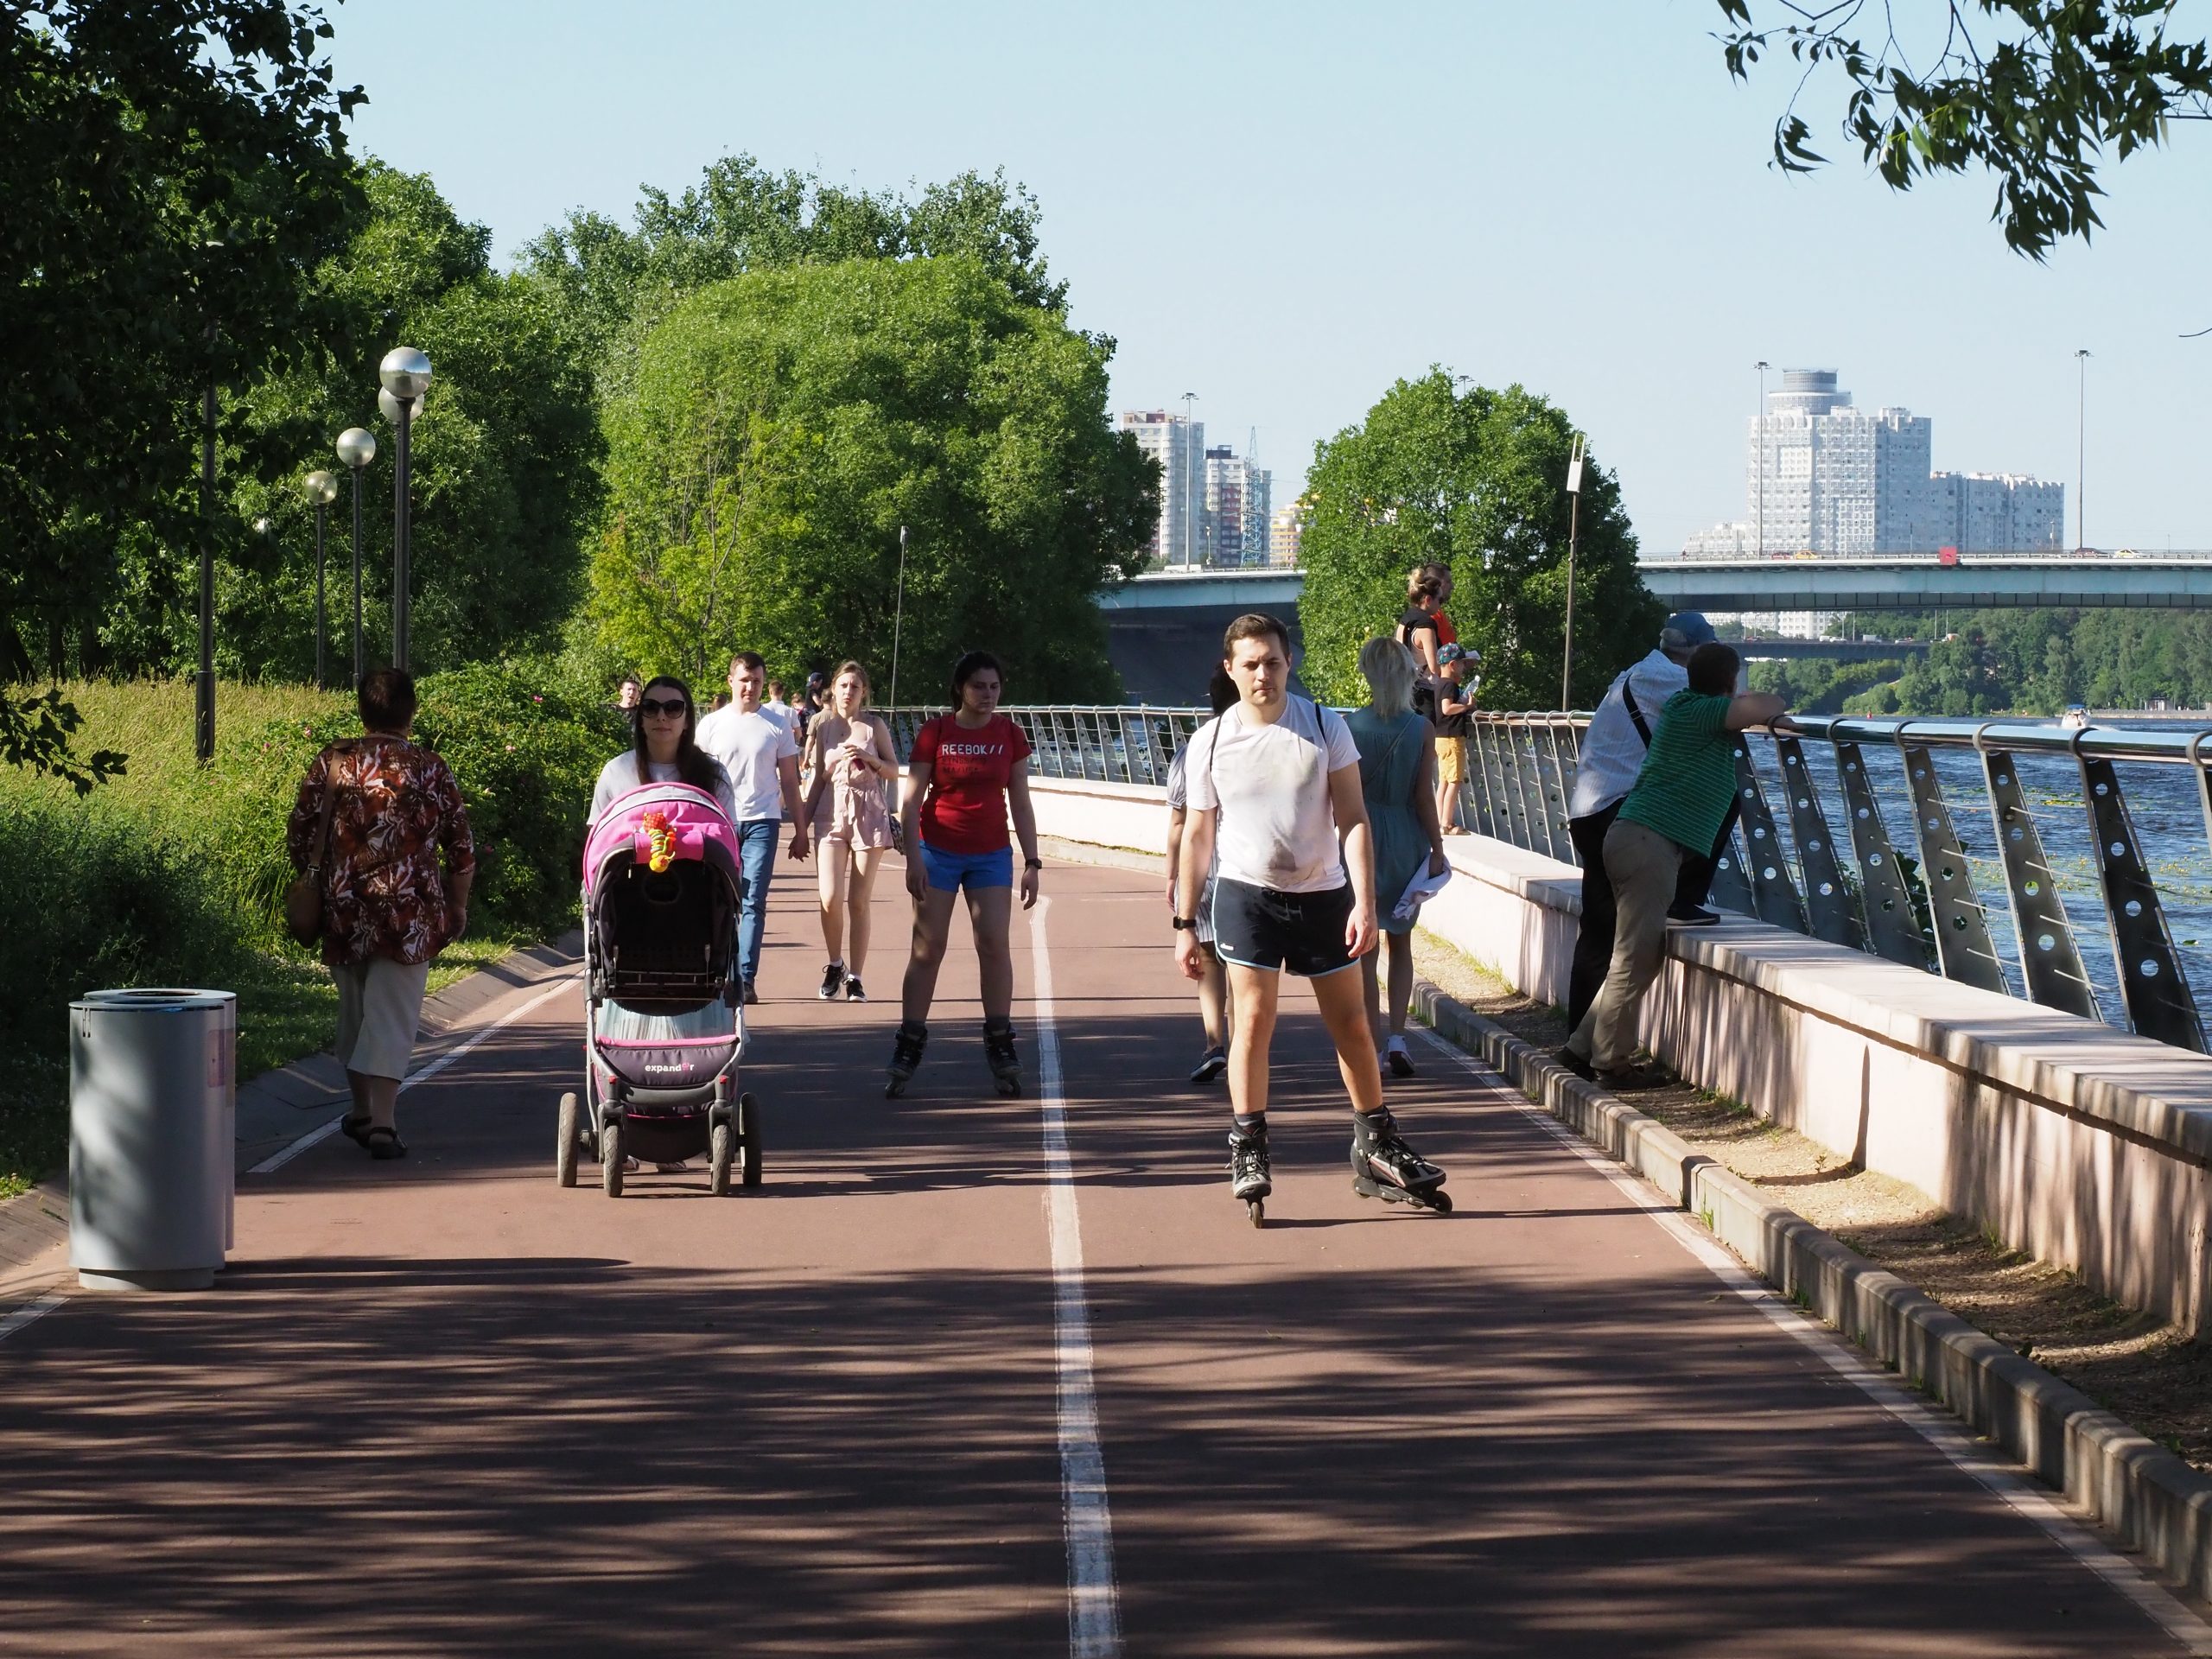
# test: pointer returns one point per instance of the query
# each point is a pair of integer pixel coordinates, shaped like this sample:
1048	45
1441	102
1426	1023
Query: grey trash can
153	1114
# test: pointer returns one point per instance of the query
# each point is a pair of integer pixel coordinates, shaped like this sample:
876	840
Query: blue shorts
950	872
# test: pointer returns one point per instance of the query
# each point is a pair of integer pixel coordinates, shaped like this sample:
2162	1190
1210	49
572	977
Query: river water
2162	800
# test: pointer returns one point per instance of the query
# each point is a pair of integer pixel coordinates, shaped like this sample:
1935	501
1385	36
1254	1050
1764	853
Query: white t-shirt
749	746
782	712
620	776
1274	827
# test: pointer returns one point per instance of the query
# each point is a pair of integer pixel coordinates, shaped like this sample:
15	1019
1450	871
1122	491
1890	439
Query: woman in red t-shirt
966	771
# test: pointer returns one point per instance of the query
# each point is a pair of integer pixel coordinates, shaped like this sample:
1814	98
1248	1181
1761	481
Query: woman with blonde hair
1398	765
849	759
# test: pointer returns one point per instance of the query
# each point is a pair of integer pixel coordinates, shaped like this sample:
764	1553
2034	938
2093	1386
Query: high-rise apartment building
1824	477
1236	508
1177	443
1286	529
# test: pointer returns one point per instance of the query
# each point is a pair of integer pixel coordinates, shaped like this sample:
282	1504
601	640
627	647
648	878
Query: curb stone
278	1106
2151	1501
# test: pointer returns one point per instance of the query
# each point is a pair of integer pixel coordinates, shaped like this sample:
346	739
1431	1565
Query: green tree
2037	92
780	428
1476	480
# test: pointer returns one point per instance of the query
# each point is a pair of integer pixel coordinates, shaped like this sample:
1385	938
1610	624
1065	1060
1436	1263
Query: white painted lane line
2015	1490
30	1312
277	1159
1093	1608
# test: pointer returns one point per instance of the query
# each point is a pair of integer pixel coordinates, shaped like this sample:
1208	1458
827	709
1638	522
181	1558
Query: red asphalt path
442	1406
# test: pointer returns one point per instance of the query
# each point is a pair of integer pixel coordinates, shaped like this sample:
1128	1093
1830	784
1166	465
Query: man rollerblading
906	1058
1277	810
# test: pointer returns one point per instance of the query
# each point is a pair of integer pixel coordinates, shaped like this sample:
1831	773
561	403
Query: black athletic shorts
1303	932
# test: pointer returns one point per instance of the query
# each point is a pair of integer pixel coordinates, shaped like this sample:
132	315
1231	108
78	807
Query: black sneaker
1633	1078
1575	1063
853	991
752	994
1691	916
1211	1064
833	981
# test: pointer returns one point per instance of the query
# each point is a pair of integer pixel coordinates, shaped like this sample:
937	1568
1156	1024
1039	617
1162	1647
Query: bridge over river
970	1376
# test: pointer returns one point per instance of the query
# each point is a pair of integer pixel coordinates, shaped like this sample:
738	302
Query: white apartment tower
1237	499
1177	443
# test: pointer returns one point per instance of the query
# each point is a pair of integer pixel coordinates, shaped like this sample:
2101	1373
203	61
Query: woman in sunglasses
663	749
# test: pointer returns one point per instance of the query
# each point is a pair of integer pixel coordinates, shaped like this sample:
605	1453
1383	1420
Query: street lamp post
1573	527
406	372
357	448
1758	418
2081	453
203	701
1194	482
323	490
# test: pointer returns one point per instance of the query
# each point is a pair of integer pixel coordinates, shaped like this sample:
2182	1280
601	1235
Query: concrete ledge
2152	1501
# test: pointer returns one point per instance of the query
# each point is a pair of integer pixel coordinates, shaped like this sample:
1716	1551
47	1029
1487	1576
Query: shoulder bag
303	899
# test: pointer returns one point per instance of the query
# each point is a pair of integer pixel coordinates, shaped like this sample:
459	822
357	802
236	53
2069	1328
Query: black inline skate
905	1057
1384	1167
998	1054
1249	1178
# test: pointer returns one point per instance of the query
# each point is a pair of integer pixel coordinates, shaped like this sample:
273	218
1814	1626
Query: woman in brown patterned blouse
387	906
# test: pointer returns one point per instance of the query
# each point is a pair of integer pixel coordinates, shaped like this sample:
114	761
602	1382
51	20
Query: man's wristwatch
1181	923
1032	863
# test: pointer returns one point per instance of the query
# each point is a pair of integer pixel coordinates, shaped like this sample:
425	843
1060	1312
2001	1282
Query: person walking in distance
1274	790
850	760
1682	793
1213	979
773	703
966	773
756	750
1612	755
1395	760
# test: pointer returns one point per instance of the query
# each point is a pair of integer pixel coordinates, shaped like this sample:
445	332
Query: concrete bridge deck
442	1407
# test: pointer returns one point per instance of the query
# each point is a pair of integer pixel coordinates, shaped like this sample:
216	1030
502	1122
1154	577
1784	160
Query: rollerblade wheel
893	1088
1257	1210
565	1144
748	1141
1441	1201
610	1157
718	1156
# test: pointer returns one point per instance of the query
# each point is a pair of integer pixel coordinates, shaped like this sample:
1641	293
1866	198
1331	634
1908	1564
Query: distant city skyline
1632	263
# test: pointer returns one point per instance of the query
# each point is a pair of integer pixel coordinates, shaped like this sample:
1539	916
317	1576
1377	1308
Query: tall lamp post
1758	420
1194	485
406	372
1573	526
323	490
2081	451
357	448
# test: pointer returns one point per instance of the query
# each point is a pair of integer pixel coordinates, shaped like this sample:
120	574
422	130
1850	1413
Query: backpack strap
1636	714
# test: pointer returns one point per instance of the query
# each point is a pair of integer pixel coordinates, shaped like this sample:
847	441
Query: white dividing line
277	1159
30	1312
2016	1490
1094	1609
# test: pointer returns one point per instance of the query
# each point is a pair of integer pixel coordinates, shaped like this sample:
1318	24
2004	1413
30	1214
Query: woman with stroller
967	769
663	749
849	759
371	821
1396	761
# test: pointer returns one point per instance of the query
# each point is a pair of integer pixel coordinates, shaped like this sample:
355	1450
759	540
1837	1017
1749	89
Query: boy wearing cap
1450	719
1682	794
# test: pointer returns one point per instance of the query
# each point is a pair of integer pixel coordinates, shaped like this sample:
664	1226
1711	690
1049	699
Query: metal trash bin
152	1129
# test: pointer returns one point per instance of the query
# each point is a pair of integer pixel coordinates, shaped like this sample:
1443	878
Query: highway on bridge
934	1381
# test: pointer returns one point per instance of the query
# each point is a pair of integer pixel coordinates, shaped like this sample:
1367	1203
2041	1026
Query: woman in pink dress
849	759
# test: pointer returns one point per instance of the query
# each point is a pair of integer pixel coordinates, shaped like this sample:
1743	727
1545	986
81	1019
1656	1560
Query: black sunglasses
655	706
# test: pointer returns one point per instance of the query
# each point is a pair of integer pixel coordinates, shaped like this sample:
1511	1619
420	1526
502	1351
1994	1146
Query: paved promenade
442	1406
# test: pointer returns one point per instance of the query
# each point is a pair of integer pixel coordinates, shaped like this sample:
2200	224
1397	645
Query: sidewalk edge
2148	1498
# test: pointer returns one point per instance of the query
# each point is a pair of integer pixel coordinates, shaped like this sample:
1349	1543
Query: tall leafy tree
2038	93
1476	480
170	169
781	426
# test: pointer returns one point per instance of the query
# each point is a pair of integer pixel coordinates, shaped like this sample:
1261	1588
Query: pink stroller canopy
661	824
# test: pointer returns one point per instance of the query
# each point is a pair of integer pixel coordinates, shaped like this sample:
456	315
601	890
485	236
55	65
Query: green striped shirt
1689	775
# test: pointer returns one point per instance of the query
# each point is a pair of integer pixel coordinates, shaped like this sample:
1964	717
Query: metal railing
2059	836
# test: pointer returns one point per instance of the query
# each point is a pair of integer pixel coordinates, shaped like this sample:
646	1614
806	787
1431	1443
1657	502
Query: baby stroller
664	1024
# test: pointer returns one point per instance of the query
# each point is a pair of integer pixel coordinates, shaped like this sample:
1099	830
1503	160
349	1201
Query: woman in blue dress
1397	768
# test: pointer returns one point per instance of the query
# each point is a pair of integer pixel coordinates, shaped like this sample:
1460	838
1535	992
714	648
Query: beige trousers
379	1005
1644	865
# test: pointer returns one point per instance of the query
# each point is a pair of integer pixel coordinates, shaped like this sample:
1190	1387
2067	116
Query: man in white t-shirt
773	703
758	751
1277	810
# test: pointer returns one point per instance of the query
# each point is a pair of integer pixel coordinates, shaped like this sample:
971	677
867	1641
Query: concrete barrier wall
2083	1146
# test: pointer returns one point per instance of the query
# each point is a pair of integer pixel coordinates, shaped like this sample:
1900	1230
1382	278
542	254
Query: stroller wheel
748	1141
610	1157
718	1154
564	1150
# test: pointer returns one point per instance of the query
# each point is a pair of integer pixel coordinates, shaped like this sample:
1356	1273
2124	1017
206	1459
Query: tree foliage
1476	480
2035	91
783	425
2036	662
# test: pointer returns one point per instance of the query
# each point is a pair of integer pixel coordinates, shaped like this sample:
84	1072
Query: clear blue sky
1283	207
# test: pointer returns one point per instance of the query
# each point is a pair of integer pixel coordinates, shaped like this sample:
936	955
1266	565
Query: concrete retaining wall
2082	1145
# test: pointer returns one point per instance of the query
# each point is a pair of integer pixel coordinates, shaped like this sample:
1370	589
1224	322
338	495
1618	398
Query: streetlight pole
406	372
1573	527
1194	481
2080	451
357	448
203	723
323	490
1758	420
